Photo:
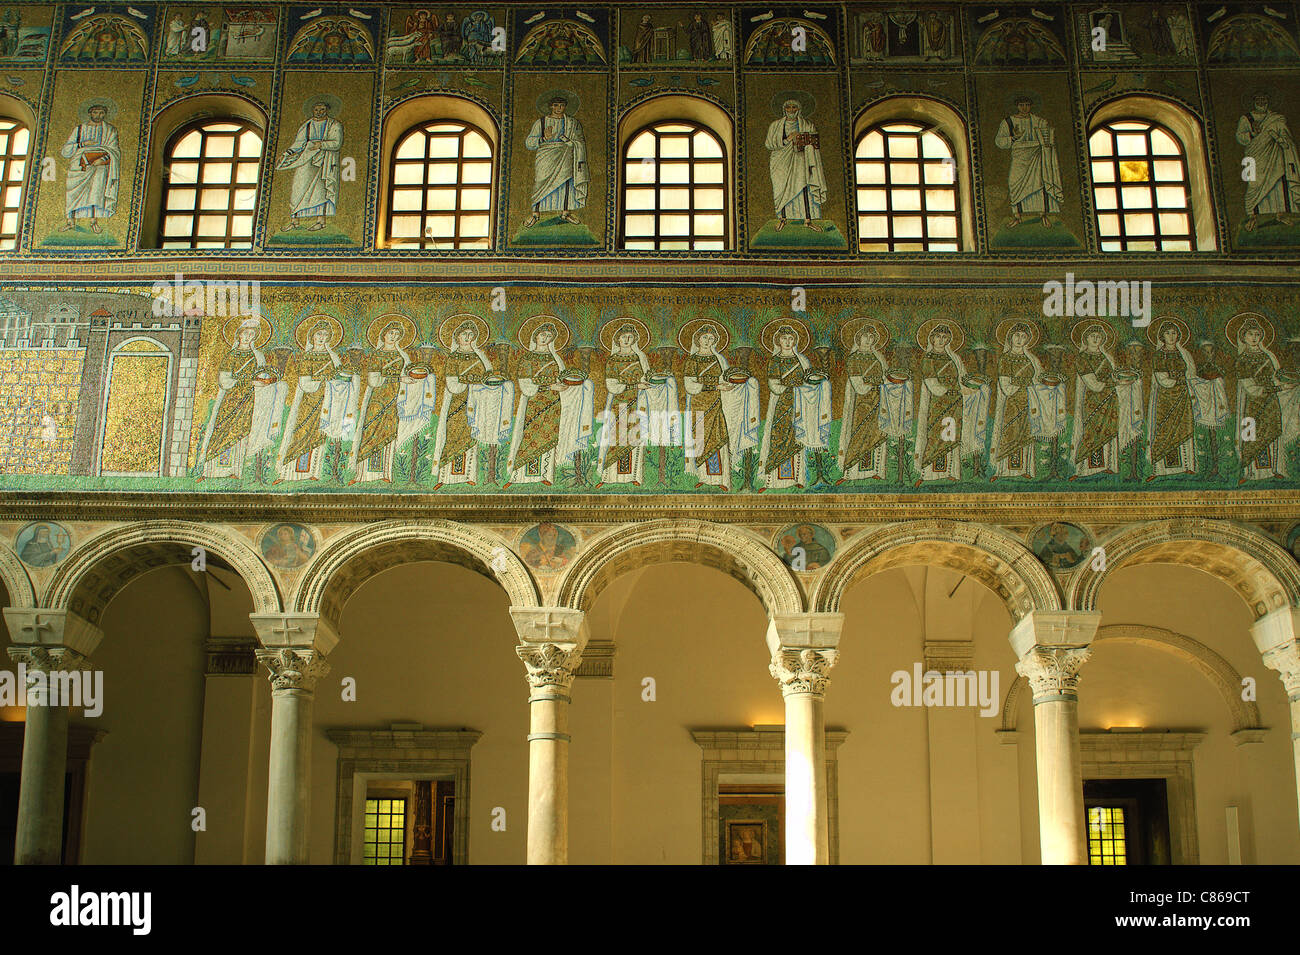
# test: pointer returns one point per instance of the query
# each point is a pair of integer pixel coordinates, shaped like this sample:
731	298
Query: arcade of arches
658	691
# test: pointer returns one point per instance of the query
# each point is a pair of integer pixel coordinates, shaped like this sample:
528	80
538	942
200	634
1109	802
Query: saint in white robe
1034	182
314	158
560	174
94	171
798	182
1276	184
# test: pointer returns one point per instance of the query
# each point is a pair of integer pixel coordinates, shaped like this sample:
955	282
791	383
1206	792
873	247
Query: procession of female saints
1018	408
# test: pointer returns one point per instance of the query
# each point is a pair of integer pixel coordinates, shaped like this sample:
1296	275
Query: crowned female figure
473	409
397	405
939	426
798	412
554	419
1171	423
243	420
1095	443
1260	396
863	445
323	398
624	434
1013	439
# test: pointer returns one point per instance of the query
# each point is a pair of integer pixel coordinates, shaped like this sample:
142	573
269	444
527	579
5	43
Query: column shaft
807	840
1061	819
289	788
548	780
40	792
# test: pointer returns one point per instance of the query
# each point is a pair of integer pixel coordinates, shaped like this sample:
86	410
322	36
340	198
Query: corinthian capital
294	669
1053	672
802	670
551	641
1275	635
550	664
48	659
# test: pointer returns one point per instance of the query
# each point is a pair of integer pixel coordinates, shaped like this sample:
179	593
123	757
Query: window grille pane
901	217
670	170
224	157
1148	163
454	213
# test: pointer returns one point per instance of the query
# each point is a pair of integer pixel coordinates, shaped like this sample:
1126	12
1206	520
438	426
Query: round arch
345	562
1216	669
949	123
168	121
989	554
1248	561
100	567
1186	127
16	581
729	549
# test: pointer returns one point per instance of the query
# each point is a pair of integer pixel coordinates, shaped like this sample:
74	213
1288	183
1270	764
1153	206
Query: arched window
907	189
1141	189
675	189
15	142
210	180
440	188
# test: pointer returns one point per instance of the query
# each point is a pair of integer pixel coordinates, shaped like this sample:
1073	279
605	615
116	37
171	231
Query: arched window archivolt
440	188
222	121
439	176
912	171
675	180
211	172
16	125
1151	192
15	147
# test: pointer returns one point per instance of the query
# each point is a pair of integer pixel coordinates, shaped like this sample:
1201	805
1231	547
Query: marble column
294	647
1051	647
49	644
1275	635
804	647
551	644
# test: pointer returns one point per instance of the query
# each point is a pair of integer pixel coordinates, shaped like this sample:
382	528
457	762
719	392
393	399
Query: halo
377	327
1035	101
610	329
334	105
1248	98
807	102
230	331
1080	330
1004	327
447	330
1153	330
110	107
1232	330
562	333
571	99
303	331
686	334
851	329
803	334
925	328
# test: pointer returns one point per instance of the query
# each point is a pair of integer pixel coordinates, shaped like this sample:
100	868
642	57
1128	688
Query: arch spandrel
730	549
989	554
347	560
17	582
101	566
1262	573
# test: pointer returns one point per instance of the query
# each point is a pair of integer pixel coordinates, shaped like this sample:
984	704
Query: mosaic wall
518	389
1023	81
